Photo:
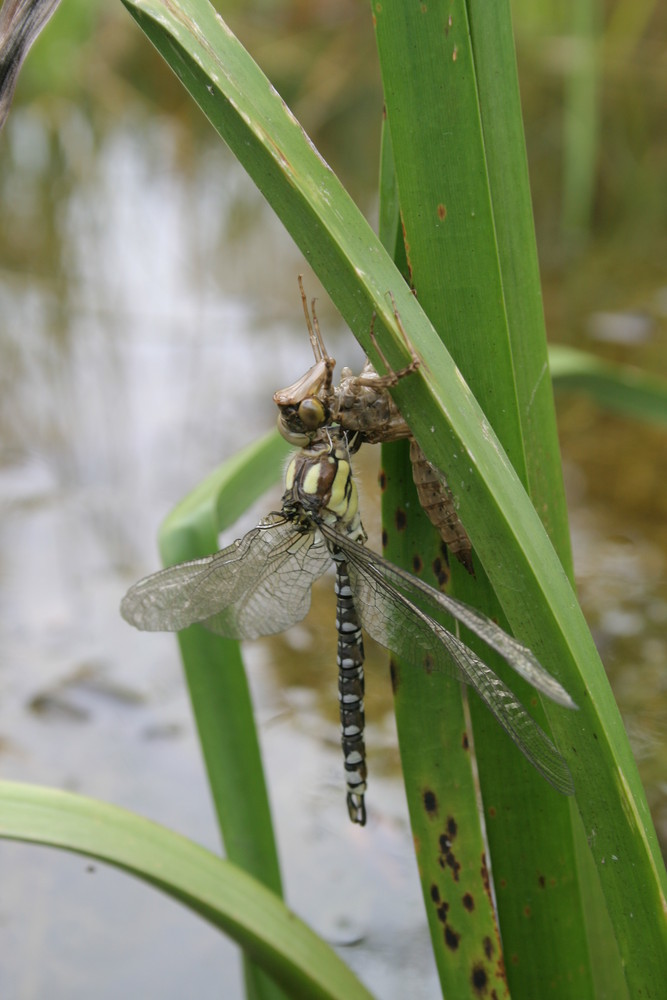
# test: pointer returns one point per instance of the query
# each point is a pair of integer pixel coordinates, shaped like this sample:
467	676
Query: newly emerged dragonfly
260	585
362	405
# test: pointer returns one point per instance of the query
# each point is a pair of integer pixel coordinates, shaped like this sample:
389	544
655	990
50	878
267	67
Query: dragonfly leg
316	339
391	377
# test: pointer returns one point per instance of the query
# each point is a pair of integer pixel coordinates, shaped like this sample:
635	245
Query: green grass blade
581	123
509	185
464	249
217	890
452	107
216	676
616	387
440	779
449	840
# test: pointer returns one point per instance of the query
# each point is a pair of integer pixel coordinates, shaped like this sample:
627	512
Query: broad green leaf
455	125
217	890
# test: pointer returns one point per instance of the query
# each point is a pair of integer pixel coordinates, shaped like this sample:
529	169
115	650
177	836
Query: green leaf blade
216	676
217	890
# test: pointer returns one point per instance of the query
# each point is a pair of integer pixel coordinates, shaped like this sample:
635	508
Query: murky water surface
149	356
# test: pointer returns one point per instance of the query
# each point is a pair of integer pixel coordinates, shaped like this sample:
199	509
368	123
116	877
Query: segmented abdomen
351	691
436	498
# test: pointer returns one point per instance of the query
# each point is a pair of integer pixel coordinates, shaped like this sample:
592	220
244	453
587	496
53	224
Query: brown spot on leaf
487	944
468	902
441	571
385	538
430	802
451	938
400	519
417	564
447	857
382	480
435	893
479	979
442	212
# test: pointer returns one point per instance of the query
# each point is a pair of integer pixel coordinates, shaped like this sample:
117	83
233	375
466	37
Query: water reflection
134	358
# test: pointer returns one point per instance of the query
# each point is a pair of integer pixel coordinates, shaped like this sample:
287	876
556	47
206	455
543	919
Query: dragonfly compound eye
312	413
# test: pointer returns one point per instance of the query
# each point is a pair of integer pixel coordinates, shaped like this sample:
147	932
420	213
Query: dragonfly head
304	406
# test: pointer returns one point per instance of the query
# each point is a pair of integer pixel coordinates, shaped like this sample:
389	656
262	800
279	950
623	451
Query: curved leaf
616	387
217	890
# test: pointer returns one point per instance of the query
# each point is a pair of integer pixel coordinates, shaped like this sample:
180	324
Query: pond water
145	360
149	309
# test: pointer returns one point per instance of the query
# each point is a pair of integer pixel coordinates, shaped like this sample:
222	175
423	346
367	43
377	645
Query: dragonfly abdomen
351	691
319	480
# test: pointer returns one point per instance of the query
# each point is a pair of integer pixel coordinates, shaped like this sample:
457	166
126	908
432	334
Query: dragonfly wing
394	621
434	602
503	704
258	585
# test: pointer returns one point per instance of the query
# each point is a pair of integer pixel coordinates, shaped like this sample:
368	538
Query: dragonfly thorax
319	487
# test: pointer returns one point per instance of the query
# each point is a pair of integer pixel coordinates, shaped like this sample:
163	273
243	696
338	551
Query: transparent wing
518	656
396	622
258	585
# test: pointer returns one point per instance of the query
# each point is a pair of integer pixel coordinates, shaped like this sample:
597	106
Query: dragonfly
261	584
361	404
